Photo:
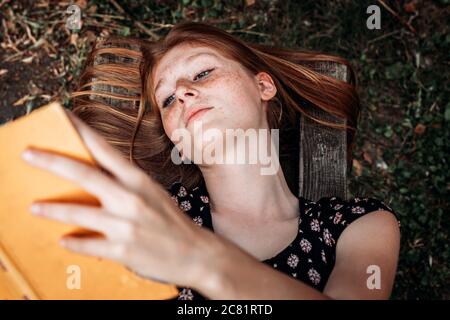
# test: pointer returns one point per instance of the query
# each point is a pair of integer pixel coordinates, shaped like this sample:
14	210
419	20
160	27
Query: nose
184	92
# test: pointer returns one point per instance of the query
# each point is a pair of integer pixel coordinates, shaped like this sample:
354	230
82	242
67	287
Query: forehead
179	56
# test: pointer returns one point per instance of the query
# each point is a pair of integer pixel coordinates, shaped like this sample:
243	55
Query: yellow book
33	265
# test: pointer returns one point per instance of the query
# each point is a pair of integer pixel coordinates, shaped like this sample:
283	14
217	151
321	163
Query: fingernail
28	155
36	208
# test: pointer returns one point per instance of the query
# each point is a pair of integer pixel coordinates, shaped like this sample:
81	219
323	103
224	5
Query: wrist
213	272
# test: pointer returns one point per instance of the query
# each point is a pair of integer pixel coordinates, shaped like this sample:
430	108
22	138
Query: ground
402	147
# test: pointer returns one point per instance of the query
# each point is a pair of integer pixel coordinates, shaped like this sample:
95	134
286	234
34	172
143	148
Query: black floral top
311	256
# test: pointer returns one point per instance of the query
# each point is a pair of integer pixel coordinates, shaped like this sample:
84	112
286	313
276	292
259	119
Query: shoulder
337	213
329	217
367	233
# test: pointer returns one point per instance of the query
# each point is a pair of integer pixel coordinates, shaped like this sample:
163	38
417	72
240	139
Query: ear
267	88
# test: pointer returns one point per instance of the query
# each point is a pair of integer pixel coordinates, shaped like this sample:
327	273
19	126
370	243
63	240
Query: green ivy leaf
447	112
394	71
125	31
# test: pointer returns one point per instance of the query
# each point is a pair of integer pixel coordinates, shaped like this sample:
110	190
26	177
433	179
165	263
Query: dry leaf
11	26
90	36
73	39
358	167
42	4
250	2
34	89
104	33
28	59
410	7
3	71
92	9
81	3
367	157
419	129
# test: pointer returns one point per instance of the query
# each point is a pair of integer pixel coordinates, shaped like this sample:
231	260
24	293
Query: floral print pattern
198	220
315	226
314	276
323	256
305	245
185	205
310	258
357	210
329	241
186	294
292	260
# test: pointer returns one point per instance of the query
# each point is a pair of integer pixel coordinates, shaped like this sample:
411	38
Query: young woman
258	240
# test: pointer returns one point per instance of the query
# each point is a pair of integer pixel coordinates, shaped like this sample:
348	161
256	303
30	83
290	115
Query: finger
111	195
109	158
87	217
98	248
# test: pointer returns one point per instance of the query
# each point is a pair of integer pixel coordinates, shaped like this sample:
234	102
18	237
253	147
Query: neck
240	192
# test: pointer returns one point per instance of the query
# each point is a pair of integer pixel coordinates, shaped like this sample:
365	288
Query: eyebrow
188	60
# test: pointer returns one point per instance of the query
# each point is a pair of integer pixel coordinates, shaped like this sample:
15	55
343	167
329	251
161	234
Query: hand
144	229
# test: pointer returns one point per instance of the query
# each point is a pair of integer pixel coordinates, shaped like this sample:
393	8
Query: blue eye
201	73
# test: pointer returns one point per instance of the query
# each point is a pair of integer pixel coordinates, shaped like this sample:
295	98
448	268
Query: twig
327	33
159	25
395	14
136	23
95	23
383	36
248	31
107	16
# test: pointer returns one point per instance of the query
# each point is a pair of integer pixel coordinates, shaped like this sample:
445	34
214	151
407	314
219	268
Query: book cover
32	263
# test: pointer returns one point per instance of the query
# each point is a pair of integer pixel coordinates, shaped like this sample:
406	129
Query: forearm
234	274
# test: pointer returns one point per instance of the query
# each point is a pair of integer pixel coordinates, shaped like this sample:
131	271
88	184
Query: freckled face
191	76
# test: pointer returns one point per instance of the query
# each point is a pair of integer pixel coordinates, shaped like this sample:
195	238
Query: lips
194	111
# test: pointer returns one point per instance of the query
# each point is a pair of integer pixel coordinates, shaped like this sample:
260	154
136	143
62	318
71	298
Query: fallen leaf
358	167
410	7
81	3
419	129
34	89
104	33
73	39
92	9
11	26
367	157
28	59
250	2
381	164
91	37
3	71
